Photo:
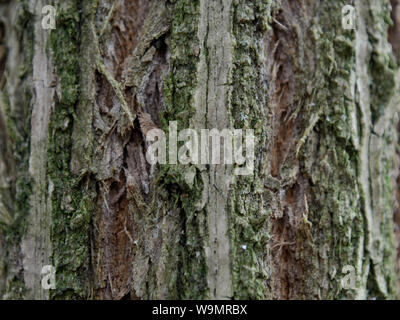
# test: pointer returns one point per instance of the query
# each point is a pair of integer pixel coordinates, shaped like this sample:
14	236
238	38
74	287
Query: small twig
117	89
307	131
108	19
114	83
280	24
111	286
282	244
127	233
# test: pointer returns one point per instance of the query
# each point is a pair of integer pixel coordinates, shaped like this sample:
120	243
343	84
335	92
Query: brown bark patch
290	230
394	30
124	176
396	217
125	19
394	39
282	47
291	243
3	56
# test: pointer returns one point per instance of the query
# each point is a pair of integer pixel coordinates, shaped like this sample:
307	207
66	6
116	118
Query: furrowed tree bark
76	190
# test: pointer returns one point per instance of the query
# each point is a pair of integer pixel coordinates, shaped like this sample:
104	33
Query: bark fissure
77	192
215	18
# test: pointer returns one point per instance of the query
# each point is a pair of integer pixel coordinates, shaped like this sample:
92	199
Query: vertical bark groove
77	192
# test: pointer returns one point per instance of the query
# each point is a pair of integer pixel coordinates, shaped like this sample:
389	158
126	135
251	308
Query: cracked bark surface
77	192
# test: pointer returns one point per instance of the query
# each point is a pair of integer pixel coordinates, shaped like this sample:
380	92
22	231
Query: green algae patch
71	196
178	93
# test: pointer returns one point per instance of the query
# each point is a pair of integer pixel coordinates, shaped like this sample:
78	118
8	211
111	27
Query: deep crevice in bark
126	191
394	30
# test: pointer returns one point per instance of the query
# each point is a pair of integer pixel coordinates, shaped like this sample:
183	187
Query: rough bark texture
76	191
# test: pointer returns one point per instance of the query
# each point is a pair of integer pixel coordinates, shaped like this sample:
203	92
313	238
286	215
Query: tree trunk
76	190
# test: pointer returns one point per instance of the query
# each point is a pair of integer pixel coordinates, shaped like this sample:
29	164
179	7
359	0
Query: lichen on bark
71	195
16	109
77	192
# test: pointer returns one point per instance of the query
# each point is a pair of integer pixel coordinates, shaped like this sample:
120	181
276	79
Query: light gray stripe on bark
36	242
212	111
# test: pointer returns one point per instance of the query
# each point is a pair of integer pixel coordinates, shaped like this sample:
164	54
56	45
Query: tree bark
76	190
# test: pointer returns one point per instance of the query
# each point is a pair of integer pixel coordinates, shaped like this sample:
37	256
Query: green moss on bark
249	205
71	196
18	121
178	93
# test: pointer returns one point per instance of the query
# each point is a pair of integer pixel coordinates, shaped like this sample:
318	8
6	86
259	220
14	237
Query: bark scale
76	191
